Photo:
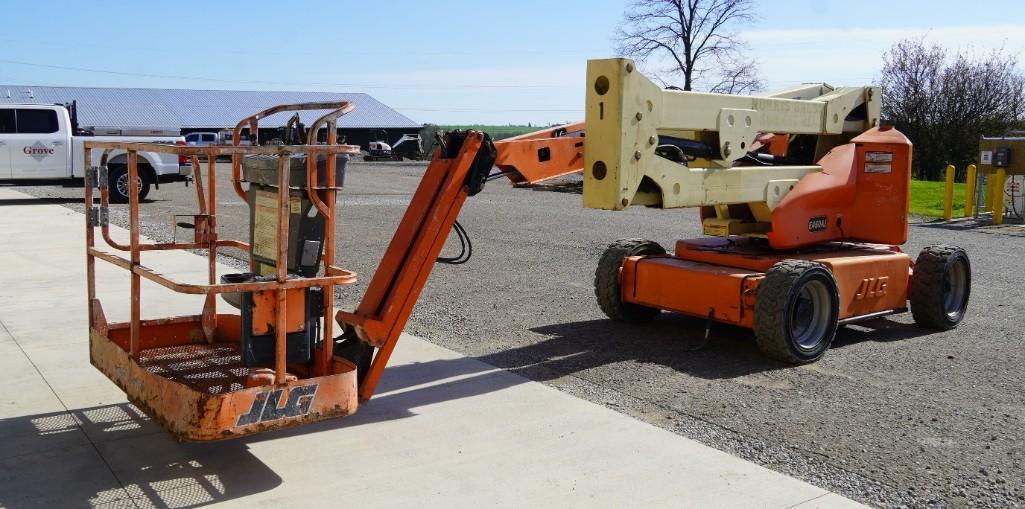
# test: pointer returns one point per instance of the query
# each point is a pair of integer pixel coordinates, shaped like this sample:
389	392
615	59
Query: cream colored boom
626	112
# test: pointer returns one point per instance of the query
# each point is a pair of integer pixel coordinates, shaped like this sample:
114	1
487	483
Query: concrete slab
444	430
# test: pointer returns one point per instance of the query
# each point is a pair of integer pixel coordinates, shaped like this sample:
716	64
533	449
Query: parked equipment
802	194
408	146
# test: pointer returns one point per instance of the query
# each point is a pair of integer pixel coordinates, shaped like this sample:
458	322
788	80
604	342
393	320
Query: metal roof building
191	110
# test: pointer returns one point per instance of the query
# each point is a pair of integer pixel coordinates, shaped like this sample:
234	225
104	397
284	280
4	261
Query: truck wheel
797	310
117	180
606	280
940	287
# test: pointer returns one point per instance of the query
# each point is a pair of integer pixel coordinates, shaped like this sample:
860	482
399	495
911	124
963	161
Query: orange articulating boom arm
459	169
541	155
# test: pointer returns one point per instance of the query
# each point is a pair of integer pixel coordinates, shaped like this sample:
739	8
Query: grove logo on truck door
38	151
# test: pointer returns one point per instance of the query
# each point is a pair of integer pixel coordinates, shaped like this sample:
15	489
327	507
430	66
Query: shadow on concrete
114	456
674	341
406	387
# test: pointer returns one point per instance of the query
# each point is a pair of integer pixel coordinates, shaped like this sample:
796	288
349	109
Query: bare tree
945	103
696	37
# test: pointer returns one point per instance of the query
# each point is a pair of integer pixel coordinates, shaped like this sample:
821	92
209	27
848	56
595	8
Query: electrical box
1006	152
1002	157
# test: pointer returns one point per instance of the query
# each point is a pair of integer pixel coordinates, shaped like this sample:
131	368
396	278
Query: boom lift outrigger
794	187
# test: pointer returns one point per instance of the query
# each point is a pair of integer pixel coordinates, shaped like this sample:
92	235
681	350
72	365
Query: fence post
948	194
969	192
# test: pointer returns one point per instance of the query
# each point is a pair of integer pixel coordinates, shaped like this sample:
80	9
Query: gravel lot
893	415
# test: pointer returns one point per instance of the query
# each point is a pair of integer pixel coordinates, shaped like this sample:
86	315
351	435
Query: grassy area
927	198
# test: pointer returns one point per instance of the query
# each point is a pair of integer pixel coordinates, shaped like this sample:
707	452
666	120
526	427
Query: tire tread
926	296
606	280
771	310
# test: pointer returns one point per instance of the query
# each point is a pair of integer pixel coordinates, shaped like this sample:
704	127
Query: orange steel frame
382	313
864	216
873	276
119	349
542	155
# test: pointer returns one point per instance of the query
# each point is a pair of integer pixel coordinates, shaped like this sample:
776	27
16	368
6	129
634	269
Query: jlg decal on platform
266	405
871	288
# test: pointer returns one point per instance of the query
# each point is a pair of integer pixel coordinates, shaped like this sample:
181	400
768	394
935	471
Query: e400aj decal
817	224
266	405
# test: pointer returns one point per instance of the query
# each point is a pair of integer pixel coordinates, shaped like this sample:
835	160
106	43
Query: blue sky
447	61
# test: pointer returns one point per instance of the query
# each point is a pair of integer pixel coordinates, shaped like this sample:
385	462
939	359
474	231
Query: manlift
804	195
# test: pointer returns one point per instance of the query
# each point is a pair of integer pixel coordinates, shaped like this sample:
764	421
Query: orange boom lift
803	196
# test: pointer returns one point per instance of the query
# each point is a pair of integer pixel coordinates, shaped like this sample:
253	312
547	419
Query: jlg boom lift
803	195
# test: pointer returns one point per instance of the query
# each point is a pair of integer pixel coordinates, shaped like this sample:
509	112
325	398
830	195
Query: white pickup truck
41	144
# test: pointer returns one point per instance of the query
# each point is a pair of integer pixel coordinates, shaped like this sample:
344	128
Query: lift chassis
803	197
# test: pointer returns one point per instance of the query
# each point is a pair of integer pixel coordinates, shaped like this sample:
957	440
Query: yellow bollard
998	195
948	194
969	194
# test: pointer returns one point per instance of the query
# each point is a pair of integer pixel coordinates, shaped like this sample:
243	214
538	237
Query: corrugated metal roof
180	108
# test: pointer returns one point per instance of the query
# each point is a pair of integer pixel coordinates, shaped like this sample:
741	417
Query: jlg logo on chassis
266	405
872	288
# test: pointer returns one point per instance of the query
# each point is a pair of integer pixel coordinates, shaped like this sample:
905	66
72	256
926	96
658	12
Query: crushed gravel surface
892	416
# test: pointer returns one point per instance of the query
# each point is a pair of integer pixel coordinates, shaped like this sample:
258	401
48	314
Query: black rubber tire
606	280
776	303
931	285
116	172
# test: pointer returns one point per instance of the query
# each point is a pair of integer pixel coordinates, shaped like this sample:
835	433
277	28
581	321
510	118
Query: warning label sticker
878	167
878	157
265	225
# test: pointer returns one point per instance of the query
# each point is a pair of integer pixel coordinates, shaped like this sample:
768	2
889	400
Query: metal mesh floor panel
215	368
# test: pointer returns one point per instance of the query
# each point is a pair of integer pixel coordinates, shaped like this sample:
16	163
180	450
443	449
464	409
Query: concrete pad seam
66	409
812	499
